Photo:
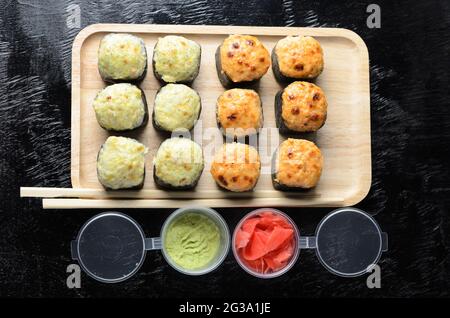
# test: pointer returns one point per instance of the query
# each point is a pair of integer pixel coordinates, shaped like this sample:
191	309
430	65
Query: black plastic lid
110	247
349	242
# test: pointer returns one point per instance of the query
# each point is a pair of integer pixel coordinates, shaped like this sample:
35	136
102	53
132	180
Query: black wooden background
409	58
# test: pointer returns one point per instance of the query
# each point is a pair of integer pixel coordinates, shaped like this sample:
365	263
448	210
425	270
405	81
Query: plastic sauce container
111	247
258	230
348	242
198	240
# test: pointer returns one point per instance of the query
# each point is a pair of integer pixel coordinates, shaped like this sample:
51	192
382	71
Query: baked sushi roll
121	163
241	60
178	164
122	58
239	112
300	107
177	106
296	165
176	59
297	58
121	107
236	167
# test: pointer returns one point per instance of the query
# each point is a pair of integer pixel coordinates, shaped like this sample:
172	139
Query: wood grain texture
344	140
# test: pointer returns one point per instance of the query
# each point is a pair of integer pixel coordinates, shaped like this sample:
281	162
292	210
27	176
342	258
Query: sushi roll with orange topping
236	167
297	58
239	112
300	107
297	164
241	60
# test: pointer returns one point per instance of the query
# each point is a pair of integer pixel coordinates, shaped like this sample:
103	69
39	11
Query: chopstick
70	198
153	194
161	203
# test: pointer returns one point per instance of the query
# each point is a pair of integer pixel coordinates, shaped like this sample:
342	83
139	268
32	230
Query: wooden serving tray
344	140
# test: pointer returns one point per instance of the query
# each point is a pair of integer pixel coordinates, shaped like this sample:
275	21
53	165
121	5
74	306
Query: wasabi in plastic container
111	247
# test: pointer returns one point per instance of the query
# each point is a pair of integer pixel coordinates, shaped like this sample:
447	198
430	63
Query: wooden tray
344	140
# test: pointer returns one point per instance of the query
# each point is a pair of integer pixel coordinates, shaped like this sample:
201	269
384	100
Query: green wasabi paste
192	240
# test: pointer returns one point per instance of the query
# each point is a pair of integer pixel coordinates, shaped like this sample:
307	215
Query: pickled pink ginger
265	242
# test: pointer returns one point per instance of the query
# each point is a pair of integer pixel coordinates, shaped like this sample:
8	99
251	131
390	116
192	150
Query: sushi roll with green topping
121	107
121	163
122	58
178	164
177	106
176	59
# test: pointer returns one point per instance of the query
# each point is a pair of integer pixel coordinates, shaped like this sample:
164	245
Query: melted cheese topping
299	57
298	164
239	111
120	163
236	167
244	58
119	107
122	56
176	59
178	162
177	106
304	106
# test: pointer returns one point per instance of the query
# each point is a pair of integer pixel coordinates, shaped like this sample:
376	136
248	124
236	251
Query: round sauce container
265	243
195	240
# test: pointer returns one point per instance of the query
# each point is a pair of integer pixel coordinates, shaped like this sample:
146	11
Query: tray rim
86	32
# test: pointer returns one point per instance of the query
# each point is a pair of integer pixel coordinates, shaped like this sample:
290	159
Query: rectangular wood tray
344	140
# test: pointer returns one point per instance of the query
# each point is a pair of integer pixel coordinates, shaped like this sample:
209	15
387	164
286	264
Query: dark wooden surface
409	58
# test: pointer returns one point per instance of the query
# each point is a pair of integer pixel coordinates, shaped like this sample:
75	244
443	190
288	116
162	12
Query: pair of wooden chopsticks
70	198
